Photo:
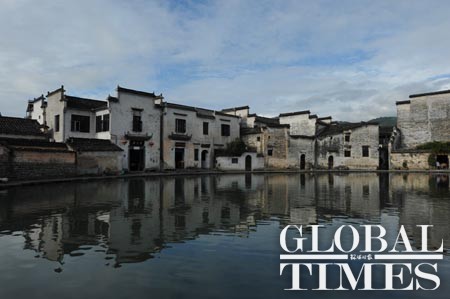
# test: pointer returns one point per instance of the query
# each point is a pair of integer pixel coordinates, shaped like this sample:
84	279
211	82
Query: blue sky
348	59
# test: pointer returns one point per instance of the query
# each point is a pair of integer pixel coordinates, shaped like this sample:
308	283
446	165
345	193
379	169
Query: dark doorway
248	163
330	162
302	161
383	159
443	161
136	158
179	158
205	159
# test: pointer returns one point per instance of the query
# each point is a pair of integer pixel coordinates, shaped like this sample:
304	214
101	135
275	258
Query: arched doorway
248	163
302	161
205	159
330	162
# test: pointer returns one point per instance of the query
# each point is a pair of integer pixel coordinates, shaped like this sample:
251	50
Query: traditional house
421	120
303	126
265	135
135	129
191	135
342	145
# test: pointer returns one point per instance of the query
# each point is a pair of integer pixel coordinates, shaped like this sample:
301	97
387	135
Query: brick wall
25	165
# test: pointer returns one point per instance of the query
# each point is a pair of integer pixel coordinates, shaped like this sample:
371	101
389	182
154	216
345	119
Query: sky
349	59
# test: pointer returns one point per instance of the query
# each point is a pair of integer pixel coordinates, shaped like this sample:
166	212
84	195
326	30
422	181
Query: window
347	137
258	138
196	154
234	160
225	130
270	152
137	120
105	122
347	153
80	123
56	123
98	123
205	128
180	125
365	151
102	123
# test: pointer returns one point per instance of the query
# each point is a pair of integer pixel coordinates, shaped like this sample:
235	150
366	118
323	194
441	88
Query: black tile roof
85	104
235	108
92	145
339	127
429	93
403	102
295	113
34	144
272	122
202	112
138	92
19	126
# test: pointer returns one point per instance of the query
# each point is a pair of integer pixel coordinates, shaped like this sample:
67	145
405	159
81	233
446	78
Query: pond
200	236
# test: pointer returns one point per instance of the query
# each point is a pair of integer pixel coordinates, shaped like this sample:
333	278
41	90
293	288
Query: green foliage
389	121
235	148
432	160
435	147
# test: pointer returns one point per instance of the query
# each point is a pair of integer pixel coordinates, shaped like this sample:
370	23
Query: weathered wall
36	164
409	160
194	129
335	146
271	138
298	147
425	119
225	163
300	124
99	162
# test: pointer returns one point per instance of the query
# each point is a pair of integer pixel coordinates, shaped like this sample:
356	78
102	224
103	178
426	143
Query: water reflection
133	219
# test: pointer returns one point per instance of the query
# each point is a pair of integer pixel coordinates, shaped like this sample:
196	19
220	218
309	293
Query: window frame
225	130
365	148
180	126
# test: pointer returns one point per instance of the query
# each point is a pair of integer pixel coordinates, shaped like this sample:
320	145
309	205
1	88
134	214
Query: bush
235	148
435	147
432	160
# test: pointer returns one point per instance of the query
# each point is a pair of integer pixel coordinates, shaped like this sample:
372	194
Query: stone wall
424	119
335	146
413	160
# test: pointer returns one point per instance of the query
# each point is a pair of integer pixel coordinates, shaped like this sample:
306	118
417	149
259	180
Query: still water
199	236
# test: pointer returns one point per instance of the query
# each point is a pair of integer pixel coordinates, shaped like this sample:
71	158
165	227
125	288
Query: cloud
348	59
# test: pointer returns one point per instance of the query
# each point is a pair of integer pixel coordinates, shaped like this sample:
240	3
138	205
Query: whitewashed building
191	135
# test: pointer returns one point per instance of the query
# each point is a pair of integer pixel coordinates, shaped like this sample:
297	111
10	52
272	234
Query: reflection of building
134	219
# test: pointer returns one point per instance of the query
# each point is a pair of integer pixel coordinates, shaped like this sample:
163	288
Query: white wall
122	123
225	163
